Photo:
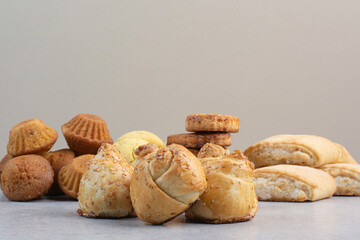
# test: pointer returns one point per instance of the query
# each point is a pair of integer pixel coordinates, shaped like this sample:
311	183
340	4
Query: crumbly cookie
26	177
197	140
212	123
58	159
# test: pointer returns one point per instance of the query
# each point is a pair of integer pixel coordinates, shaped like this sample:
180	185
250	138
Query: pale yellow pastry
127	147
306	150
144	135
230	195
347	177
165	182
104	187
292	183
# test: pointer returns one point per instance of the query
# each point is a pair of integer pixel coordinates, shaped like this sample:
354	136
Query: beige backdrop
280	66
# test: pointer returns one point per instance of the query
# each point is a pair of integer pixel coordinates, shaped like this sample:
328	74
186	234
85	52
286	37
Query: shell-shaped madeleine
85	133
70	176
104	188
31	136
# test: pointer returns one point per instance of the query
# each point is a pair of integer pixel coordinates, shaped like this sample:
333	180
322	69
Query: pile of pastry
194	173
302	168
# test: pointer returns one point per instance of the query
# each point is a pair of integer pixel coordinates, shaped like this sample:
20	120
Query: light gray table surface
335	218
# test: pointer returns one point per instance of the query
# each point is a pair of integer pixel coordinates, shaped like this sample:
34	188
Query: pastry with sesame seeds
230	195
166	182
104	187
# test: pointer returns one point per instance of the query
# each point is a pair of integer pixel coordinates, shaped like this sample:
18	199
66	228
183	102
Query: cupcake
85	133
70	176
58	159
30	137
26	177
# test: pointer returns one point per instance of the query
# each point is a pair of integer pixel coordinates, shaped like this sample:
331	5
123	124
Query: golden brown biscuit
306	150
58	159
31	136
26	177
347	177
104	188
165	182
212	123
292	183
197	140
85	133
230	195
70	176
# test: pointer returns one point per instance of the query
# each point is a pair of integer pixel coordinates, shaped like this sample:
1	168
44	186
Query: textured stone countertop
335	218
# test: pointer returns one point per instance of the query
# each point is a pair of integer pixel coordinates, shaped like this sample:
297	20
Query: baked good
144	135
292	183
4	160
306	150
127	147
85	133
212	123
230	195
70	176
197	140
347	177
58	159
31	136
104	187
344	155
26	177
210	150
165	182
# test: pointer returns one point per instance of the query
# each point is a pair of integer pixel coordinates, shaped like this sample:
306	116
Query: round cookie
58	159
30	137
212	123
197	140
26	177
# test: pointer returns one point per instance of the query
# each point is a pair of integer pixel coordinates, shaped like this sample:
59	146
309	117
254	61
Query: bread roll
292	183
104	187
347	177
305	150
230	195
166	181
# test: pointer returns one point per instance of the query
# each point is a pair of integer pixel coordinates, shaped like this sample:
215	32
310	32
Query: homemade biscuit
197	140
347	177
212	123
292	183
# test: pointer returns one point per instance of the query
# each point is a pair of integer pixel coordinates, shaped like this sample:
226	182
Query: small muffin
104	189
70	176
30	137
85	133
2	163
58	159
26	177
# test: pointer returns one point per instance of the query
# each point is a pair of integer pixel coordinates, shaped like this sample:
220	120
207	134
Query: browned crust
220	221
93	215
198	140
26	177
212	123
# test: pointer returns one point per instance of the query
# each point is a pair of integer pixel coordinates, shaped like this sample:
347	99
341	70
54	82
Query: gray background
280	66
